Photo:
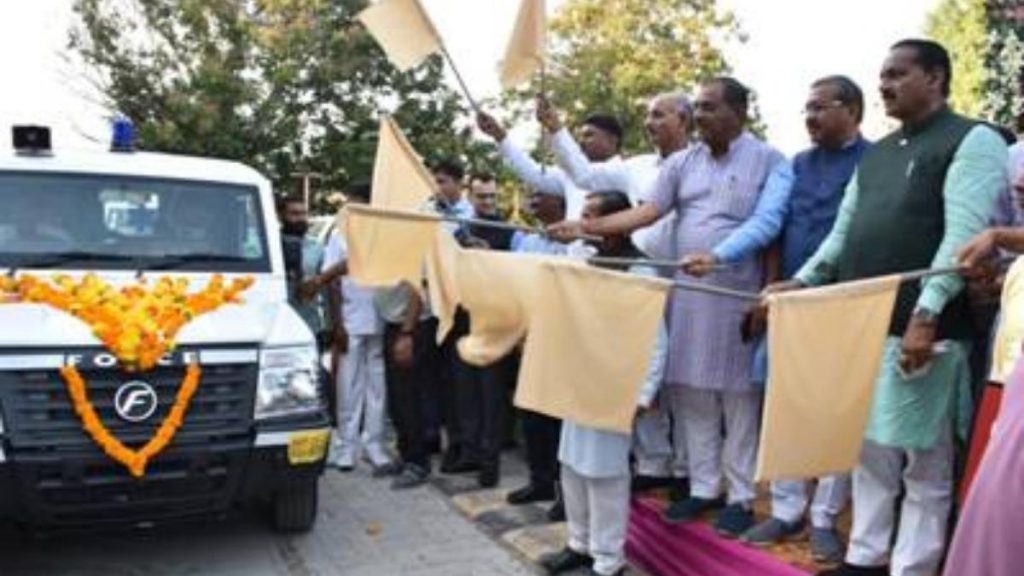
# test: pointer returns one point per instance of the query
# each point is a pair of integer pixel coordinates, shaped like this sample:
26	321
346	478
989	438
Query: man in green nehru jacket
918	195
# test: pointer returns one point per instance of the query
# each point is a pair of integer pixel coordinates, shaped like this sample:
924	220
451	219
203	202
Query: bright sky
791	42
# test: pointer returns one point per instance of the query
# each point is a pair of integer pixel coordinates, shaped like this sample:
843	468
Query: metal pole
505	226
696	287
650	262
458	78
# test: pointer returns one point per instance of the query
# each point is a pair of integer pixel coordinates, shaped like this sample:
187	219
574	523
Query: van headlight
289	383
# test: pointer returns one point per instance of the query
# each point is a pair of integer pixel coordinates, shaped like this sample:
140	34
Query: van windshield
116	222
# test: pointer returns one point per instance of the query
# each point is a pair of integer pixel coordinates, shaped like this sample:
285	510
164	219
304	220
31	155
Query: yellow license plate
308	447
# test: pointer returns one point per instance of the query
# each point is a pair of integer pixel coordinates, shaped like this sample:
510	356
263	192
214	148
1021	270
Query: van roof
143	164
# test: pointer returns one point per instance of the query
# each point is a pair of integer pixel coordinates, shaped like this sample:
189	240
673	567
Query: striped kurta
712	198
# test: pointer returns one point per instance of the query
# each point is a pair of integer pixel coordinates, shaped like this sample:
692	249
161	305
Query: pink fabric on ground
692	549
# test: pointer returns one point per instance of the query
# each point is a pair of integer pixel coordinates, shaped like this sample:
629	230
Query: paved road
364	528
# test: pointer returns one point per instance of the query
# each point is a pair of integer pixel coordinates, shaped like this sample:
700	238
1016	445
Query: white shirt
549	179
635	176
358	312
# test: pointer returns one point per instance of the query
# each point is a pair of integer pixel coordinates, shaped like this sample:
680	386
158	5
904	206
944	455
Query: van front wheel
295	505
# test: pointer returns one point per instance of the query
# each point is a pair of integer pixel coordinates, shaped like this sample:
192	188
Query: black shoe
530	493
557	511
488	477
680	489
690	509
411	477
643	483
462	467
850	570
565	560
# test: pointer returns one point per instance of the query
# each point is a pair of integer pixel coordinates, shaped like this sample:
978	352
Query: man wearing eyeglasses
834	110
483	195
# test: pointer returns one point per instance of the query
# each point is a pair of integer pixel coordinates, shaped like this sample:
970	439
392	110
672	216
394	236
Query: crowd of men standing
738	214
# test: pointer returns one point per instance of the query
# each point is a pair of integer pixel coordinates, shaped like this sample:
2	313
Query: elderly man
669	122
729	192
918	195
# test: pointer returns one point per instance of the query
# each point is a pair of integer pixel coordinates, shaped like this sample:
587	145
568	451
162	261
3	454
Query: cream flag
387	246
591	337
403	30
442	281
526	48
400	180
825	349
1006	348
501	292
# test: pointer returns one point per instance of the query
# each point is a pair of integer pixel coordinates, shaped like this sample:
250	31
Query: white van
258	425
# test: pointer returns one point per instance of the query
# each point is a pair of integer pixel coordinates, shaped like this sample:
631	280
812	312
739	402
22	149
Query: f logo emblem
135	401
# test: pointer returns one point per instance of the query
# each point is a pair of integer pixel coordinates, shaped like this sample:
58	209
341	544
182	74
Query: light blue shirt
766	222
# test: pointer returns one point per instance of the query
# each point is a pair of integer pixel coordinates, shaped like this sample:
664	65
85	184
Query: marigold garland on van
138	326
134	460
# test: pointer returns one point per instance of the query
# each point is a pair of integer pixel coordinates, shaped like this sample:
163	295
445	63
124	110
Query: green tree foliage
1004	63
283	85
961	26
613	55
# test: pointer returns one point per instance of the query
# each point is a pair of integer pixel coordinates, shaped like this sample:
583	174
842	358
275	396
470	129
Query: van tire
295	505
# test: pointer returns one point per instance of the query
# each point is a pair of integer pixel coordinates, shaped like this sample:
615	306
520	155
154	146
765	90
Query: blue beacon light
123	138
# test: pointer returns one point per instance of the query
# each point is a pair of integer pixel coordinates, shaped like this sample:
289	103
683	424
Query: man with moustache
726	191
919	194
833	112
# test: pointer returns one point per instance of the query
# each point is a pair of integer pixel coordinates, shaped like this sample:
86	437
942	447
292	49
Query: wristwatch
925	315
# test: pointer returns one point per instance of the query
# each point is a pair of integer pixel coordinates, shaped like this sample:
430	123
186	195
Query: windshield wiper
178	260
60	258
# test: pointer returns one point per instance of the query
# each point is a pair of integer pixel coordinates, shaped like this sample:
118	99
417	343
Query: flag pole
650	262
545	140
458	77
717	290
505	226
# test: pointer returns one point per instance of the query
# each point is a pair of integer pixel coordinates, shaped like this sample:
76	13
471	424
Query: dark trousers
541	435
409	389
482	406
451	371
